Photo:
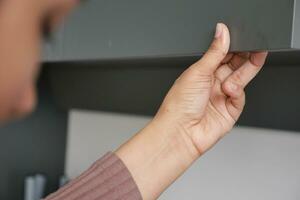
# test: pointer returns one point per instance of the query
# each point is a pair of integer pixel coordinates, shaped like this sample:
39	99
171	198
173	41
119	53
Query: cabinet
169	35
113	29
52	49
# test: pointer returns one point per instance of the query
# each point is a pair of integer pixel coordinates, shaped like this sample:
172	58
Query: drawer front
109	29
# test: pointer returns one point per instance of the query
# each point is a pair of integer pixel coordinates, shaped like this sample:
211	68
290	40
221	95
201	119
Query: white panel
249	164
92	134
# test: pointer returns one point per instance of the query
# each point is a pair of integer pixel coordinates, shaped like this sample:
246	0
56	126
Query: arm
201	107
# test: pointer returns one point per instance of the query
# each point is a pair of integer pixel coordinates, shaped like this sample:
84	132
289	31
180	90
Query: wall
249	163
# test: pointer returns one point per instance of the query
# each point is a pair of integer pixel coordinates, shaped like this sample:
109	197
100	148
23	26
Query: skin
202	106
20	30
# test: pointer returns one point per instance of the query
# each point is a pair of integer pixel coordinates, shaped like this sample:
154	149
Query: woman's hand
208	98
201	107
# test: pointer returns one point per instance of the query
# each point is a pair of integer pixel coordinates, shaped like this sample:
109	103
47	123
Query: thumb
217	50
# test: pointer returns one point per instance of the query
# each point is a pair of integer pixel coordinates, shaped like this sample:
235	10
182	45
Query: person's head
23	24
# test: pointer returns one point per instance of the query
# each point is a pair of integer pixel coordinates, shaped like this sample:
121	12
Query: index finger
243	75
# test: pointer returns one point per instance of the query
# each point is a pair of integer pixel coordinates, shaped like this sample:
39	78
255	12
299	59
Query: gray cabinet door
112	29
52	49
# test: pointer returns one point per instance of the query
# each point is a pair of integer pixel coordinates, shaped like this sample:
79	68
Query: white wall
249	164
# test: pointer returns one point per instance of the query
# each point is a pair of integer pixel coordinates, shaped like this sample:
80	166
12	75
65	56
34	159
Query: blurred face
22	26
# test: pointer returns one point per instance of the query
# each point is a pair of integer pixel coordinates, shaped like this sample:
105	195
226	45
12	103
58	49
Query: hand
208	98
201	107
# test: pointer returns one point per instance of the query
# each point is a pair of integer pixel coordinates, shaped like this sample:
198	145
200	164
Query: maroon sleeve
108	179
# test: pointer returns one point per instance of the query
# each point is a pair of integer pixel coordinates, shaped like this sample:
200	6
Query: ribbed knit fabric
107	179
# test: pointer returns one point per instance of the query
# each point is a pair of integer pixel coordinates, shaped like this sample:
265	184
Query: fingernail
219	31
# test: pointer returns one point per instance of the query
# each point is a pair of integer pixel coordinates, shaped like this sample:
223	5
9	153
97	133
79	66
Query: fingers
243	75
238	60
234	85
217	51
236	101
258	59
235	106
230	64
228	57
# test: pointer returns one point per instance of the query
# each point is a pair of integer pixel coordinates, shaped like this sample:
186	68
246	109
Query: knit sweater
107	179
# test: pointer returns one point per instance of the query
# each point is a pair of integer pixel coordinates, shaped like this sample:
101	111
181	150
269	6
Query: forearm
157	156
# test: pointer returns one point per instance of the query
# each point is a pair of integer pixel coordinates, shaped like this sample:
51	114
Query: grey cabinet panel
109	29
52	50
296	25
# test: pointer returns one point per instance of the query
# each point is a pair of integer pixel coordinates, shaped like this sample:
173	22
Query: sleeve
106	179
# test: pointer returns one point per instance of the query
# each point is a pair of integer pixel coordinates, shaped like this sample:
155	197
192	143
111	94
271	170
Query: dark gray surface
103	29
33	145
139	87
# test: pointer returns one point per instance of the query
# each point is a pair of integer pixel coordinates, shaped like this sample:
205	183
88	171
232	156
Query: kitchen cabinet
141	47
53	47
114	29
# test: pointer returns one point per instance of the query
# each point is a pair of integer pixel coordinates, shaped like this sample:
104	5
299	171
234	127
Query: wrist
172	131
157	156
